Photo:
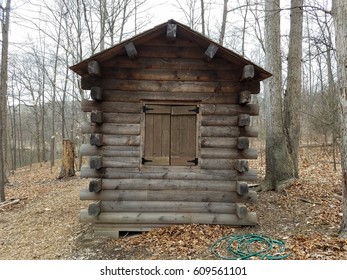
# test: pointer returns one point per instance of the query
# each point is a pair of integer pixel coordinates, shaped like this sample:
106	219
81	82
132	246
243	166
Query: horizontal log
229	131
182	42
168	184
170	218
98	162
168	195
171	51
175	63
110	128
176	86
88	82
111	151
115	140
137	96
227	109
123	162
224	164
170	173
219	120
168	206
121	118
229	153
111	107
218	142
150	74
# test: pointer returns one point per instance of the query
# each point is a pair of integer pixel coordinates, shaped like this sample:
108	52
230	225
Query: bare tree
5	22
340	15
224	22
292	97
279	166
190	9
203	17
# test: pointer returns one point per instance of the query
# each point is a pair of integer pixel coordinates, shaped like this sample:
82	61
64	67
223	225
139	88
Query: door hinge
196	110
195	161
145	109
145	160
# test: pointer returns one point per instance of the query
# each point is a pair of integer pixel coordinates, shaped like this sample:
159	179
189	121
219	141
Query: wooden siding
133	193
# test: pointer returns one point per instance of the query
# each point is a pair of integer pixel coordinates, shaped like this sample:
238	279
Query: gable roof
194	36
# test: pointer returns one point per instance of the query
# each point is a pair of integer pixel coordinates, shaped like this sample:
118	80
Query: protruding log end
94	209
242	143
241	165
95	185
242	188
96	139
210	52
96	117
95	162
245	97
131	50
248	73
171	32
244	120
241	210
96	93
94	68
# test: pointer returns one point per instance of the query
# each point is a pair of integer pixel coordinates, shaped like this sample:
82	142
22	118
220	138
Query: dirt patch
45	225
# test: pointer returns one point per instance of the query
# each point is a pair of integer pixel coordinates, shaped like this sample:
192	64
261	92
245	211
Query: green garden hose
248	246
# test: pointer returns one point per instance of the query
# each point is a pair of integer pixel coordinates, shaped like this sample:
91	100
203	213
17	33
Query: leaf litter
44	223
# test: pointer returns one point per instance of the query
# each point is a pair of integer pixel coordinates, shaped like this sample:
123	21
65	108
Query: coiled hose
248	246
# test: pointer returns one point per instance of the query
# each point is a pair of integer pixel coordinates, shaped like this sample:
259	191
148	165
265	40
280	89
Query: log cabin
170	128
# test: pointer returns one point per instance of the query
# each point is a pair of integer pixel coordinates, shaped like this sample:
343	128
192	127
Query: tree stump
67	167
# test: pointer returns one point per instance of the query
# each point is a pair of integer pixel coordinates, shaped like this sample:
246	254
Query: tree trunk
279	166
68	161
3	98
224	22
202	16
340	15
292	98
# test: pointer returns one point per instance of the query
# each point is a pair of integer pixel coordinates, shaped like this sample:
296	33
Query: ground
44	224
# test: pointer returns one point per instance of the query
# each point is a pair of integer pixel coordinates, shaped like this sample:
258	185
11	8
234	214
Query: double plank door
170	135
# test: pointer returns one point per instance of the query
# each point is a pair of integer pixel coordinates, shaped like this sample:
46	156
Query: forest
43	95
300	42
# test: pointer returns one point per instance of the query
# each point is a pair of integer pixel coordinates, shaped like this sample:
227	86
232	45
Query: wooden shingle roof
81	68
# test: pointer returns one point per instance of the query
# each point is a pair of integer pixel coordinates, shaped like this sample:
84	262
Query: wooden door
157	135
170	135
183	135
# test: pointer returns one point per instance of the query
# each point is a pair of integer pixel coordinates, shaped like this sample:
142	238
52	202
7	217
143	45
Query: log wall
127	194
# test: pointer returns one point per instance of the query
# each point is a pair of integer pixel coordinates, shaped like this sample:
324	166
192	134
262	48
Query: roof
183	30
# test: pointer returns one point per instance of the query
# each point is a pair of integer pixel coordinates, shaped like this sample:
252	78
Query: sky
159	11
